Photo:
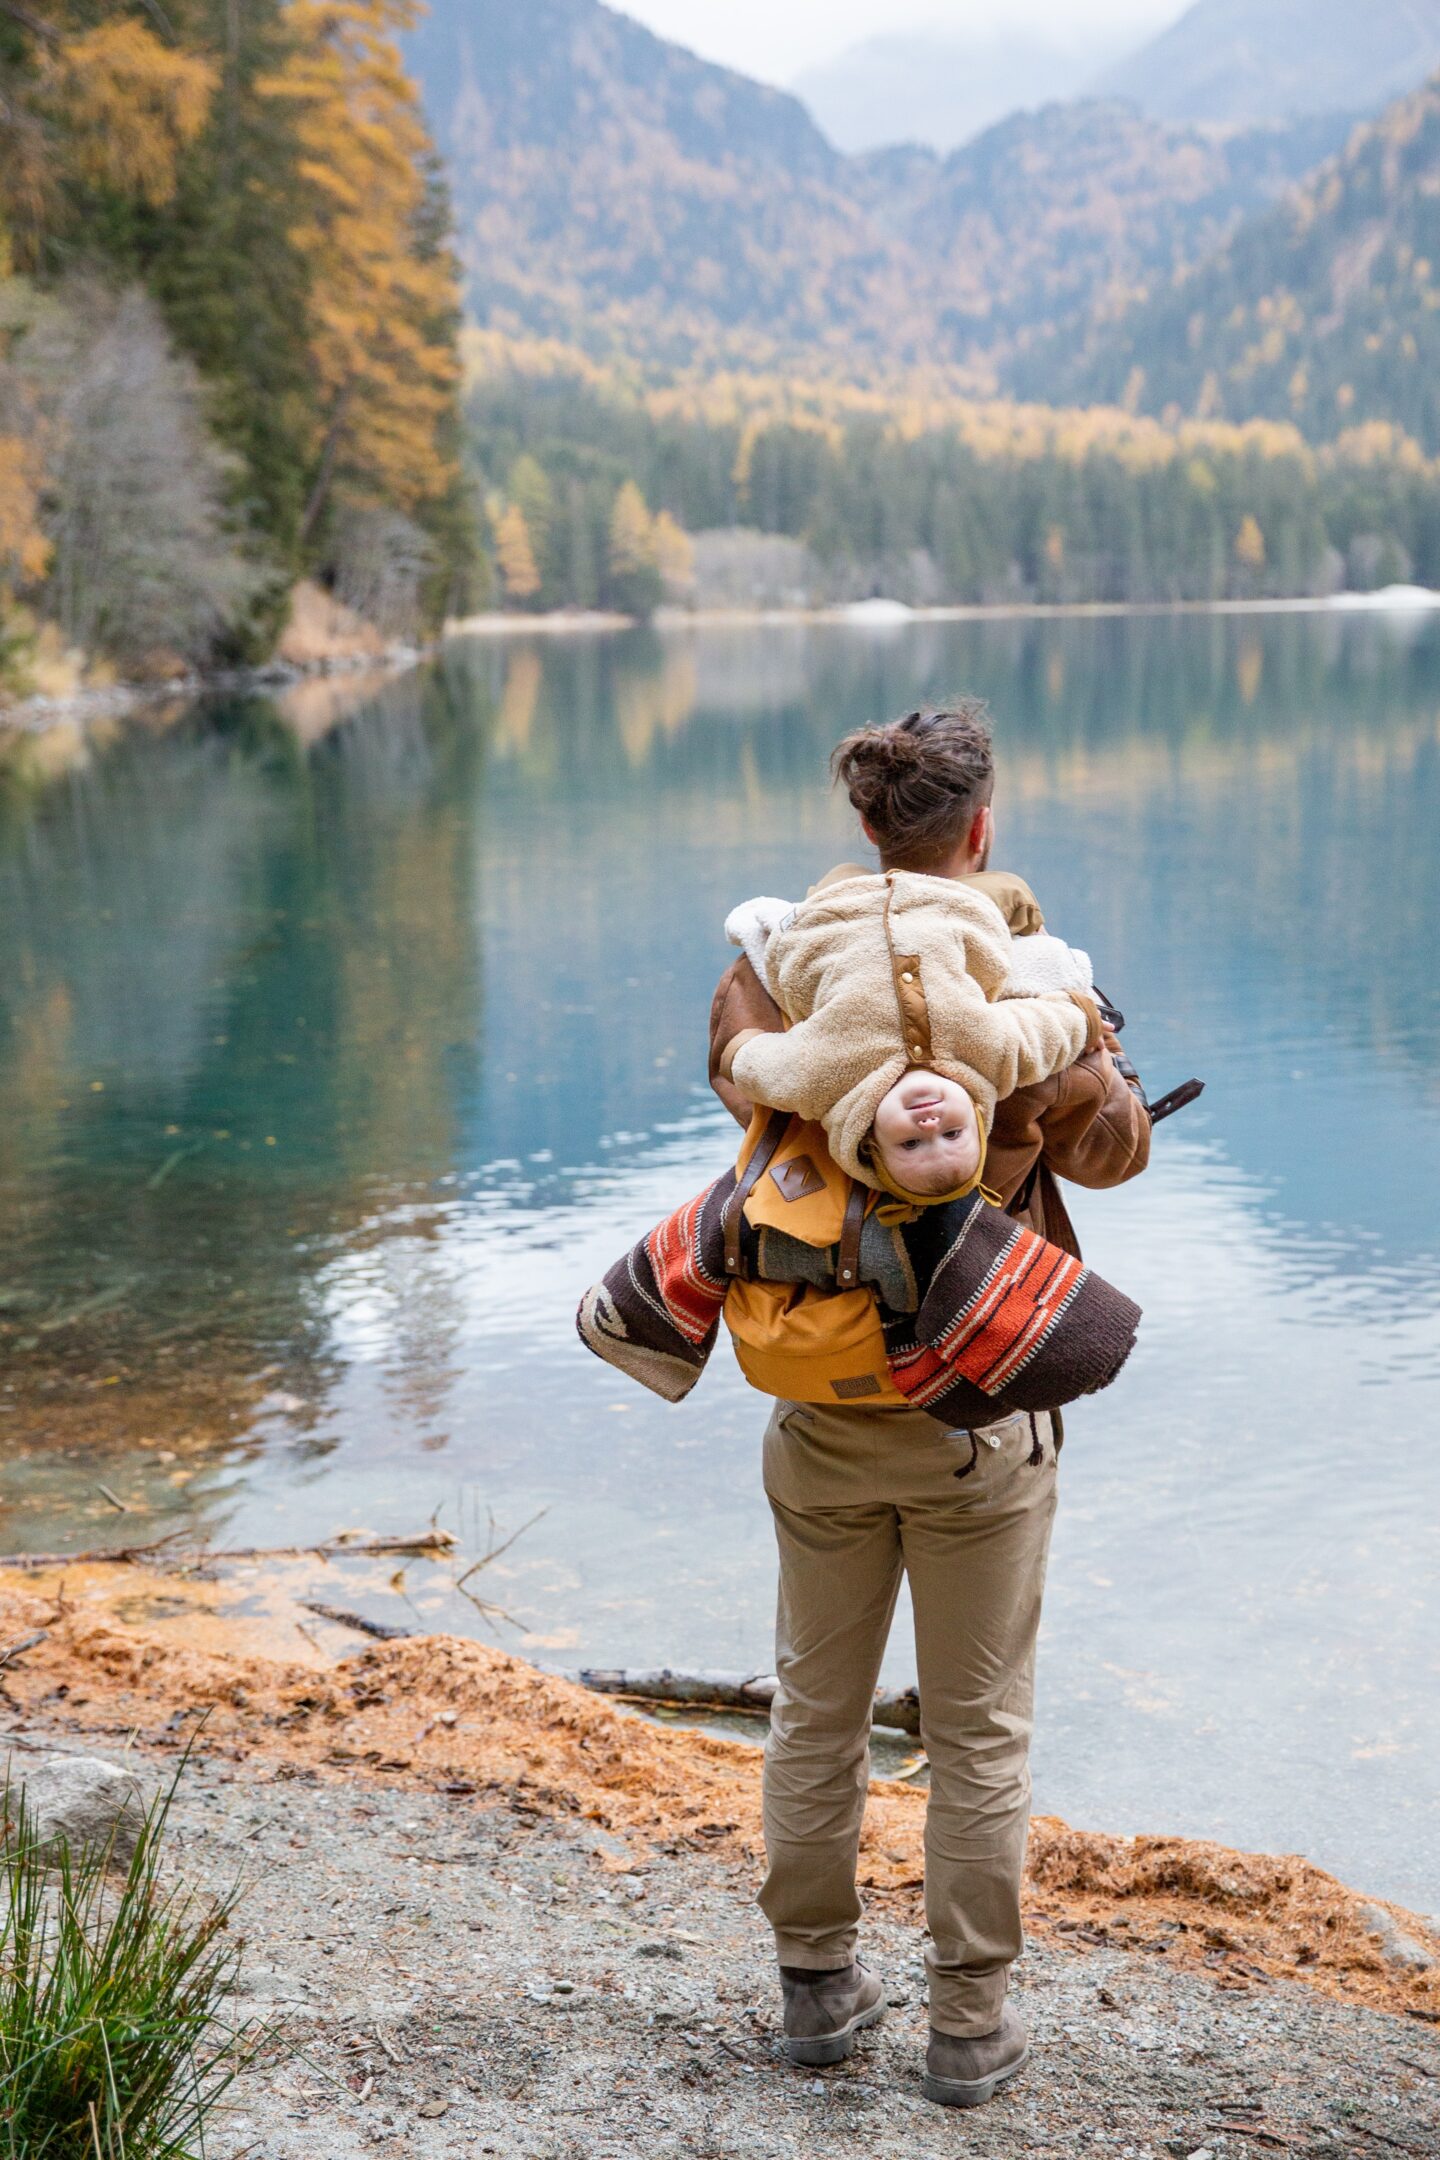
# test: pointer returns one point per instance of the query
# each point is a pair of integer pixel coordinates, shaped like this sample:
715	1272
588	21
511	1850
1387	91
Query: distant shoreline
886	615
117	702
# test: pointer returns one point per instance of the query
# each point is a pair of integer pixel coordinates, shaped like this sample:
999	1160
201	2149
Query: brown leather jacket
1087	1124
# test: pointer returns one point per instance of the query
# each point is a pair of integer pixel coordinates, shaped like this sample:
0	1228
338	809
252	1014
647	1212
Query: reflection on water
334	1060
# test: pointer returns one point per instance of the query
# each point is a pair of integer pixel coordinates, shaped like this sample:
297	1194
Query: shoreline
886	615
441	1712
116	703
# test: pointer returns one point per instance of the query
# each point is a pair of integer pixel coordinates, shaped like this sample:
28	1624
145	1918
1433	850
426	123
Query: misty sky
775	39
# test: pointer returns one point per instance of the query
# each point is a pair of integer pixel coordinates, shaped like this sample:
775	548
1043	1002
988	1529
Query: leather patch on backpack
798	1178
851	1390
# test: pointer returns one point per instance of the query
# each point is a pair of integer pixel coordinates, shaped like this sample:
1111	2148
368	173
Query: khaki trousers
858	1496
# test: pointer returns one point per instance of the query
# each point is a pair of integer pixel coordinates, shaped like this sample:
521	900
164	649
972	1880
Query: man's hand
742	1006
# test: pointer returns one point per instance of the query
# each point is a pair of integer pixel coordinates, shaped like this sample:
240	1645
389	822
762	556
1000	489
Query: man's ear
982	836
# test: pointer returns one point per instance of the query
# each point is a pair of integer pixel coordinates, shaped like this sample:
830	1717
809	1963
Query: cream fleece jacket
866	1007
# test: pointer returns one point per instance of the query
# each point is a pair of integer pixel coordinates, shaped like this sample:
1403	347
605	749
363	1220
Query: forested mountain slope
1325	311
1243	60
614	188
1054	219
605	179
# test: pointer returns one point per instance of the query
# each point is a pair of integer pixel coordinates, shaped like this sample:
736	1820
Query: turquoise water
334	1065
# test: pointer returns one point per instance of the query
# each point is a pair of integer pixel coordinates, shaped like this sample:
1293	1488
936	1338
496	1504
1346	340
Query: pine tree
633	578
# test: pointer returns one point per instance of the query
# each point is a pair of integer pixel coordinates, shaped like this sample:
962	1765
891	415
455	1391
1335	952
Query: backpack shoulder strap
761	1157
847	1264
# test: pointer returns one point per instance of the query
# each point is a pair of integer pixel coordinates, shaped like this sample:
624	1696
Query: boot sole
970	2092
834	2047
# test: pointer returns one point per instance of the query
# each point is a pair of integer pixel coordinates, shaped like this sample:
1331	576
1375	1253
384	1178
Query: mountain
1052	220
612	189
611	185
1324	311
1246	60
921	87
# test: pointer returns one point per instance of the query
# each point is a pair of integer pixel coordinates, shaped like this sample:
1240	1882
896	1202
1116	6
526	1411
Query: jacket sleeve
1033	1038
741	1001
1087	1124
775	1070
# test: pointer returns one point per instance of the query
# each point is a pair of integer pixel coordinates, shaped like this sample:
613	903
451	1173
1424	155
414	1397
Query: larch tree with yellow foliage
381	308
515	556
261	169
1250	550
95	100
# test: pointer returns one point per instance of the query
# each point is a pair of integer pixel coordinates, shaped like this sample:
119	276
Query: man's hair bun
918	782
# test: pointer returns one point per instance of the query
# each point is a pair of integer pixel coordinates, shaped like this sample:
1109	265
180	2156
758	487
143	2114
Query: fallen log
752	1692
165	1548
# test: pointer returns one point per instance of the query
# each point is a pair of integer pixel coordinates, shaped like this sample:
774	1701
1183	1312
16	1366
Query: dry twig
341	1547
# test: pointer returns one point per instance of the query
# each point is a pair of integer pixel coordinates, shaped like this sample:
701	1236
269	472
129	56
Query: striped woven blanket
1001	1320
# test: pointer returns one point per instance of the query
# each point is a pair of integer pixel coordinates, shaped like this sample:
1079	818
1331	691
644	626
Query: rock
79	1800
1397	1945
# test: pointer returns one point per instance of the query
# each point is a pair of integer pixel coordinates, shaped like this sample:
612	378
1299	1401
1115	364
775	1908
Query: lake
336	1060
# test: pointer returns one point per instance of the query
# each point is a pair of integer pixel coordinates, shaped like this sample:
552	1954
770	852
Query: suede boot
967	2073
825	2010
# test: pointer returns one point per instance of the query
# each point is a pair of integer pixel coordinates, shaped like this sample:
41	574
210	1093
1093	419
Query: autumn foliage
265	174
918	489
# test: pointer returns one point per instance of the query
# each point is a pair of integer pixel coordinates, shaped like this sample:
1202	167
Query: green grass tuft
109	2044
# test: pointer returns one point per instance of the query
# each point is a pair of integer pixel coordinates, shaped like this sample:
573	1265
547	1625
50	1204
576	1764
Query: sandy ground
495	1914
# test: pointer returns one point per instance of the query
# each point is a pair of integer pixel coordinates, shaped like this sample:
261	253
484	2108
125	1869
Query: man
860	1495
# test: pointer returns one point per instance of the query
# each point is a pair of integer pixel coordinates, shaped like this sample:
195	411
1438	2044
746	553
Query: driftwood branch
752	1692
26	1642
380	1629
427	1541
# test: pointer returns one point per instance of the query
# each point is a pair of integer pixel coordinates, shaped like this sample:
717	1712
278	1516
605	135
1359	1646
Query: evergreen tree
633	583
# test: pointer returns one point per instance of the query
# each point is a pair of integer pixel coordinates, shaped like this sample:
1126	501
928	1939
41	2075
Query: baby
912	1010
926	1138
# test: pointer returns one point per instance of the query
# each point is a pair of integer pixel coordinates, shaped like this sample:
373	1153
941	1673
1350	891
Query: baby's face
927	1134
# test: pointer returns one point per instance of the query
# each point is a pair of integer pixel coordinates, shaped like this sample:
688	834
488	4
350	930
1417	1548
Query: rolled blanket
655	1314
1002	1320
1006	1321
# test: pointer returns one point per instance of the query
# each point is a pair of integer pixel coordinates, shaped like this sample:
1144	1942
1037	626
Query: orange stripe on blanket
691	1295
1004	1324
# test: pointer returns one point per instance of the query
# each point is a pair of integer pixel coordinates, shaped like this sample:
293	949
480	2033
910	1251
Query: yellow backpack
792	1340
